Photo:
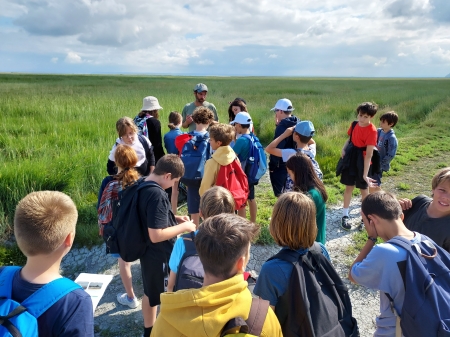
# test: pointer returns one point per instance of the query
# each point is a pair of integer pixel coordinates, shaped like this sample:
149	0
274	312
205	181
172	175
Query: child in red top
363	140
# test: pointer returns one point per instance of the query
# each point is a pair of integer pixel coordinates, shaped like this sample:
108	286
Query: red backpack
233	178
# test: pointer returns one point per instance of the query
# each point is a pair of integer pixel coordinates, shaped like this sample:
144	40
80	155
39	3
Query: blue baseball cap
200	87
305	128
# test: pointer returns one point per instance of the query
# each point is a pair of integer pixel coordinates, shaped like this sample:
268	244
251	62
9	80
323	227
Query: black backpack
316	302
190	271
125	234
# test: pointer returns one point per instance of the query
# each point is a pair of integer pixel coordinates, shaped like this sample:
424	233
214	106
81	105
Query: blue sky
391	38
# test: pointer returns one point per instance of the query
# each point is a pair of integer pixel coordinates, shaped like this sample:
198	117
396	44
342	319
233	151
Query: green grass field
57	131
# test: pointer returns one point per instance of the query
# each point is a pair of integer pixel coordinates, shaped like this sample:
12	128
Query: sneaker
123	299
361	226
345	223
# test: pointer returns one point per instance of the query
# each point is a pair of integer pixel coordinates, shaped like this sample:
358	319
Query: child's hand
370	182
288	132
181	218
189	226
405	203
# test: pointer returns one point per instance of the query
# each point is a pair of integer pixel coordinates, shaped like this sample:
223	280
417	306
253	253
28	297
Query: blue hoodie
287	143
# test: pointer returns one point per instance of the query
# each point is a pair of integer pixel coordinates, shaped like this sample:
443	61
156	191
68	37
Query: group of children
44	225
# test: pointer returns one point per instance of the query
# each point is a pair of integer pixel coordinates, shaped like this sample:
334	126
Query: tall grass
57	131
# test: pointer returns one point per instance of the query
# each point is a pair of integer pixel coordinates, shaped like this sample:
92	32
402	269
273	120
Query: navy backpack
20	319
426	308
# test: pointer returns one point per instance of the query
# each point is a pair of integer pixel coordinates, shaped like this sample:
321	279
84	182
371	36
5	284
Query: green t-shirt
320	215
189	110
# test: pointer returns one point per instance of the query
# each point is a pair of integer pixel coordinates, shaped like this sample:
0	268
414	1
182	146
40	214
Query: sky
337	38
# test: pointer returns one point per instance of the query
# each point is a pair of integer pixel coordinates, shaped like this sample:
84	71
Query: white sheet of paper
95	285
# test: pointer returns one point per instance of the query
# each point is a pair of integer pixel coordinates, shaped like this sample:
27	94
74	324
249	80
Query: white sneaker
123	299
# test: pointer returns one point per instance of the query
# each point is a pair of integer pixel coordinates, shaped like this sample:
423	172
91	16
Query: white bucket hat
150	103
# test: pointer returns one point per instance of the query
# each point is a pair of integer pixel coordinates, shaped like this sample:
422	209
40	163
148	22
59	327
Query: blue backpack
426	309
20	319
194	154
256	164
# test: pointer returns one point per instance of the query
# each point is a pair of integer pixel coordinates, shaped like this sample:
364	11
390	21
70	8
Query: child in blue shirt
216	200
175	120
242	124
386	145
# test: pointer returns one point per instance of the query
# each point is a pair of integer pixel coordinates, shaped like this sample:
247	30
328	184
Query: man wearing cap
200	92
283	119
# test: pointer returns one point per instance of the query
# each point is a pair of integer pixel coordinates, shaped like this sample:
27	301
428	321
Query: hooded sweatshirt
204	312
287	143
223	156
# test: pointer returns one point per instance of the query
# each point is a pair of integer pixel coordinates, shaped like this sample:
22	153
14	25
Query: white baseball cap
242	118
150	103
284	105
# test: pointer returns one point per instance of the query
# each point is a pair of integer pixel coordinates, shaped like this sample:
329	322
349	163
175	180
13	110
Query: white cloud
380	62
73	57
170	36
54	60
249	60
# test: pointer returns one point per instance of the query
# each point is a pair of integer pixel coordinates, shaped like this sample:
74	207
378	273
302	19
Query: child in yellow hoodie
223	245
220	137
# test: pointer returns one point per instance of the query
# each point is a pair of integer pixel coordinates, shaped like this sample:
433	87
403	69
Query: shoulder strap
257	316
6	278
144	144
48	295
353	128
254	323
189	243
378	134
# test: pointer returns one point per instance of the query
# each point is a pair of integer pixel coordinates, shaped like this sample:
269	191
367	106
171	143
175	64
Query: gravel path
113	319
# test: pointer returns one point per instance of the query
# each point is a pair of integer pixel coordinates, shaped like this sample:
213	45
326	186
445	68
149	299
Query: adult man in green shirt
200	92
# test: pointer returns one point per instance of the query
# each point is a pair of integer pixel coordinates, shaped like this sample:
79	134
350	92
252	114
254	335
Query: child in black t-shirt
163	227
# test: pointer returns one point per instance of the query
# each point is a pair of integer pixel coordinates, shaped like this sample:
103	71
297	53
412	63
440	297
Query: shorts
153	271
251	191
278	178
193	199
353	180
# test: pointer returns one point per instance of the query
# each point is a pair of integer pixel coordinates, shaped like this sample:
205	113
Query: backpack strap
189	243
353	128
254	323
6	279
144	144
41	299
48	295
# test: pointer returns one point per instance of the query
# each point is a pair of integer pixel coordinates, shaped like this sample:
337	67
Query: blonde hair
440	177
216	200
43	220
293	221
126	158
222	133
123	123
